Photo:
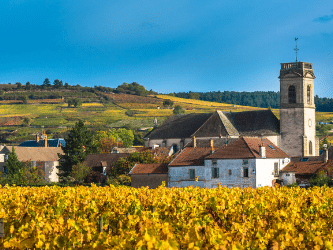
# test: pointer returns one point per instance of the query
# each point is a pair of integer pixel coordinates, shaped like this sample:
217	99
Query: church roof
179	126
247	148
255	123
249	123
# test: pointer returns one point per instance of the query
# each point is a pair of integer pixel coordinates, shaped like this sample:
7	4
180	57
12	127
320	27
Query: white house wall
236	178
180	176
288	178
265	171
51	171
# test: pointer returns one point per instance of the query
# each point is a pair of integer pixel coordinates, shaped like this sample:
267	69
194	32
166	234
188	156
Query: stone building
151	175
46	157
246	162
294	133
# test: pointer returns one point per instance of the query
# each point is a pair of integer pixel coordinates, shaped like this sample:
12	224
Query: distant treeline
58	89
260	99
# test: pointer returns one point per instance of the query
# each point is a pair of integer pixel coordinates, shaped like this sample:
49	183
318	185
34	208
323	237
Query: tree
193	95
178	110
107	144
57	84
27	86
13	165
320	180
79	143
46	83
167	103
126	136
66	85
80	172
26	122
18	85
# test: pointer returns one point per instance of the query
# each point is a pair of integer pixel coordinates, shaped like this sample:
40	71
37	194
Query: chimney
325	155
194	142
211	144
262	151
45	140
37	137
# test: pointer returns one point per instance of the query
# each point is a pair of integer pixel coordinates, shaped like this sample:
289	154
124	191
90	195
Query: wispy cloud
324	19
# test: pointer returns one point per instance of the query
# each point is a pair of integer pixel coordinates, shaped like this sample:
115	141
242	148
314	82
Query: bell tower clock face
310	122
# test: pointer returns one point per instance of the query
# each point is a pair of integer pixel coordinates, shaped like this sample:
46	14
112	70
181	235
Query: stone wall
150	180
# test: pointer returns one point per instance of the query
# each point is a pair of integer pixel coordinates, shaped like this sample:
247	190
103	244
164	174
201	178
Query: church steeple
297	109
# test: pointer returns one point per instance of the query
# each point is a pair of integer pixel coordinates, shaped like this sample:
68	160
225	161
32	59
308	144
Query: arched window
292	94
308	94
310	147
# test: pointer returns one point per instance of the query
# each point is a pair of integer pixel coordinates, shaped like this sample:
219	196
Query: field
163	218
54	114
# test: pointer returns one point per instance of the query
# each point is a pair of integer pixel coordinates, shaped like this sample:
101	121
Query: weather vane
296	47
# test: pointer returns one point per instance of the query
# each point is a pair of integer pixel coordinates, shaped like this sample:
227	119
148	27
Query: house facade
246	162
46	157
149	175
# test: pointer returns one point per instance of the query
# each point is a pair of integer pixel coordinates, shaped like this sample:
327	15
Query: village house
46	157
151	175
246	162
301	170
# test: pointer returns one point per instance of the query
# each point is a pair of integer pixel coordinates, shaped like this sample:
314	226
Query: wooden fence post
100	222
2	230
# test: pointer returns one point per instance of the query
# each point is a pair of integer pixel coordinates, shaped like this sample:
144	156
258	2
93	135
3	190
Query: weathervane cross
296	47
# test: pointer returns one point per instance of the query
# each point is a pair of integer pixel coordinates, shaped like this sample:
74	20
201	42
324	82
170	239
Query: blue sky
167	46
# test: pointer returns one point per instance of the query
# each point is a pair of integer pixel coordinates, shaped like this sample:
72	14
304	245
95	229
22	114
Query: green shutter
217	173
212	172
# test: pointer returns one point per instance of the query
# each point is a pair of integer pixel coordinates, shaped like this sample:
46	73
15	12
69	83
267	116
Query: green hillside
20	121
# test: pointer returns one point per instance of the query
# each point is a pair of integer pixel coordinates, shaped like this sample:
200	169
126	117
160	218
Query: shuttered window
192	174
215	172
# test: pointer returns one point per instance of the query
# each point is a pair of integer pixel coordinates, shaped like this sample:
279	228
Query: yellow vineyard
164	218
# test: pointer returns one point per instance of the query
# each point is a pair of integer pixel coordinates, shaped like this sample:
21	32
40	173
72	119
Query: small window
287	174
214	162
308	94
192	174
276	169
245	172
230	172
164	143
215	172
245	162
310	147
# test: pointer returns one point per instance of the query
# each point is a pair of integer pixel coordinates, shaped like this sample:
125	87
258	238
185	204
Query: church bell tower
297	110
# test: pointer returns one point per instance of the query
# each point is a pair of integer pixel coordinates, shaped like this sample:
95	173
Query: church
294	133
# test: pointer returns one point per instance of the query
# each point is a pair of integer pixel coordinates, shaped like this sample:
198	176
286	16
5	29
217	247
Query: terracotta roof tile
248	147
36	153
191	157
152	168
98	160
307	167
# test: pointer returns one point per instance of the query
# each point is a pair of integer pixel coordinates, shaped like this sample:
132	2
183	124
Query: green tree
126	136
27	86
167	103
46	83
320	180
57	84
18	85
80	172
193	95
79	143
13	165
178	110
26	122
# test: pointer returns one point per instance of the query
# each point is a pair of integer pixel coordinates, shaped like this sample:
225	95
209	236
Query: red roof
151	168
247	147
191	157
307	167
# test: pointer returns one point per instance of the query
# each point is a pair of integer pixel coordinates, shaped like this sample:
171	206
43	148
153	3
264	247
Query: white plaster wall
169	142
236	179
310	131
274	139
51	170
265	170
180	176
